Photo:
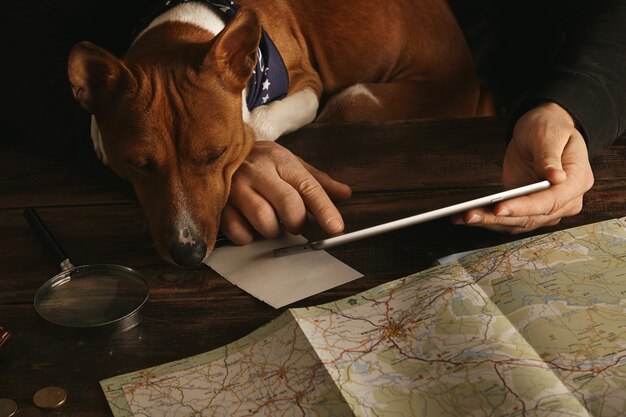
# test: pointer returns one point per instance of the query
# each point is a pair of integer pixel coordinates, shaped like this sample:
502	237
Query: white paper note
284	280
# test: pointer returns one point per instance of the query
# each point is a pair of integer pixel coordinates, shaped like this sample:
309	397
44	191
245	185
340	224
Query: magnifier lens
91	296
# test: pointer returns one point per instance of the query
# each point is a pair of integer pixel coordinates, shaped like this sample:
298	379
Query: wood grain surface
395	170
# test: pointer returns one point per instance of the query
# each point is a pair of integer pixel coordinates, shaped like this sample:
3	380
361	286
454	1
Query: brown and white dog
172	115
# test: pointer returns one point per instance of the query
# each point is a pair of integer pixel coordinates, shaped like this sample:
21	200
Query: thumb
548	163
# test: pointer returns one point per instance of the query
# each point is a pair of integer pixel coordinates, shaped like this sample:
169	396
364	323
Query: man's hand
273	189
545	145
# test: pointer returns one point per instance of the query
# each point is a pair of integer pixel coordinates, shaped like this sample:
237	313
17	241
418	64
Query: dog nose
188	249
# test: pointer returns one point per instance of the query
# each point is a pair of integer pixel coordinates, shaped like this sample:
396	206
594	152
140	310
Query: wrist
559	112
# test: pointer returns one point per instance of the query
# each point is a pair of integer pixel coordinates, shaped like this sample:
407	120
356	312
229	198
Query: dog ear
235	48
94	74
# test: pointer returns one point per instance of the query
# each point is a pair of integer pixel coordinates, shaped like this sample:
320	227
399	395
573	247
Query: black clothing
571	52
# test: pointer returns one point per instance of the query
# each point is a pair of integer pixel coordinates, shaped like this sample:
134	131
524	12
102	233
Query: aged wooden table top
395	170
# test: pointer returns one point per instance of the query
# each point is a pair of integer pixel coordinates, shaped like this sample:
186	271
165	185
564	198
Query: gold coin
7	407
28	412
50	397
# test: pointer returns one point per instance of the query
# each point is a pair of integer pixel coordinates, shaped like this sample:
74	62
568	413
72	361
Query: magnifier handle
46	237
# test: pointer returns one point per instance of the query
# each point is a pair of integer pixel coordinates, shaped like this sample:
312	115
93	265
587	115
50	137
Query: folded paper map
536	327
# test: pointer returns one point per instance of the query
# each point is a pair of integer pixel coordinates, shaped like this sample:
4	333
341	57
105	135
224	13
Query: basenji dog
204	80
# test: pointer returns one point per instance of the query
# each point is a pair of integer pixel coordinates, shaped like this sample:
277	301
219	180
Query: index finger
336	190
541	203
317	202
547	201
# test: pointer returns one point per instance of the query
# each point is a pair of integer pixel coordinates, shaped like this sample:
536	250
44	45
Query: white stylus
409	221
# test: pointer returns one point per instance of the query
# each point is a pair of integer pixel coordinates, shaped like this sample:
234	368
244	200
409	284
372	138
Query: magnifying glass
93	299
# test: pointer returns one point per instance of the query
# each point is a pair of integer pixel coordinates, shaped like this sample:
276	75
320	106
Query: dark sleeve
589	76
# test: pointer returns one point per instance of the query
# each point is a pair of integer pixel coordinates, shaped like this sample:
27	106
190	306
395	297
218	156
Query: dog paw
261	124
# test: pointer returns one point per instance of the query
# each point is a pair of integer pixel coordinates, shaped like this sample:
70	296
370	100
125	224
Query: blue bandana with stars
269	81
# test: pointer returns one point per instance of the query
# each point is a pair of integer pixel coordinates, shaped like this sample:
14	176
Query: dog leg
401	100
273	120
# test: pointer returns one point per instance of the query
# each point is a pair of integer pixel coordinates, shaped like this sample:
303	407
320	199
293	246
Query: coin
50	397
28	412
7	407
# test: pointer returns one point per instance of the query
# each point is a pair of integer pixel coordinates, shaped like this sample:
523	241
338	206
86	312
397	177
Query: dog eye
143	165
215	156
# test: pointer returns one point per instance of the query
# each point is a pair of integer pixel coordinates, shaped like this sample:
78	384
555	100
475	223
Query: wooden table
395	170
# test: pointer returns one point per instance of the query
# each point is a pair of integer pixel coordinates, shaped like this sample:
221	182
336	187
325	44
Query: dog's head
172	123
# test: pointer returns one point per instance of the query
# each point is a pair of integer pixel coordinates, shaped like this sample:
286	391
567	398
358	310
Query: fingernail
475	219
504	212
333	225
